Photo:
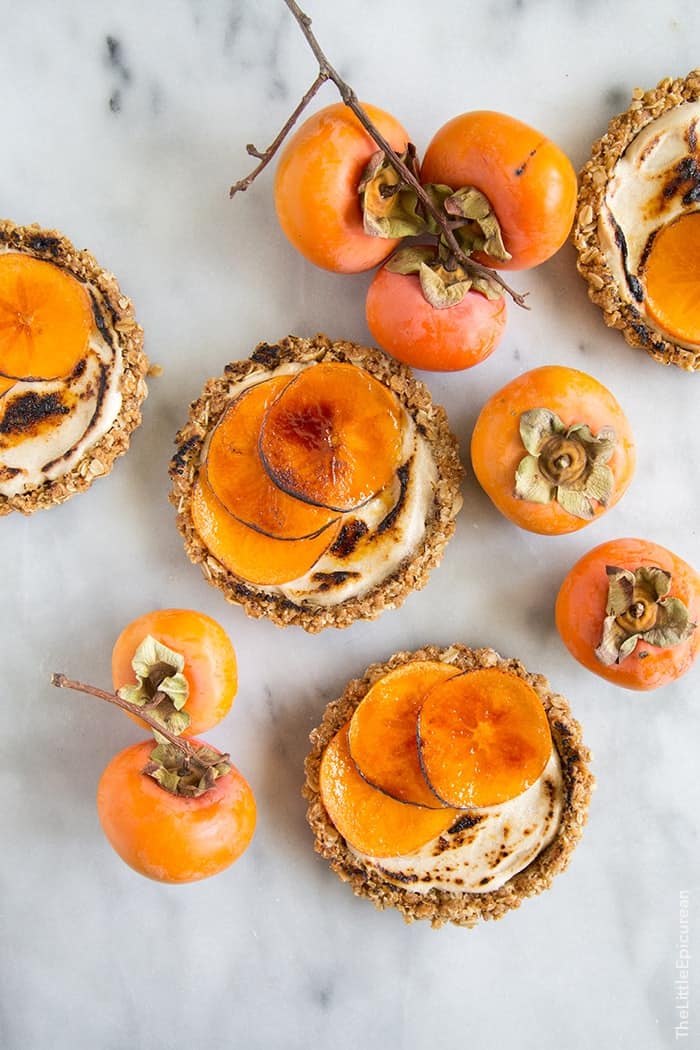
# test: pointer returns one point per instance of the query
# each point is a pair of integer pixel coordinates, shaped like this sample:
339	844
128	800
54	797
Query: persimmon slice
45	319
382	734
333	437
483	738
247	553
672	278
368	819
239	479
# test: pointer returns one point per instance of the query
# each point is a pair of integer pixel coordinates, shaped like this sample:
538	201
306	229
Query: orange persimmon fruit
333	437
45	319
529	181
238	478
581	610
210	661
248	553
483	738
382	732
167	837
368	819
498	449
408	327
316	188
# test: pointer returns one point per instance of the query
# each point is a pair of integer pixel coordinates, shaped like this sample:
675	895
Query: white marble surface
129	148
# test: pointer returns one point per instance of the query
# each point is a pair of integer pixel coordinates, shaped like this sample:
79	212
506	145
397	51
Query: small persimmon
443	339
169	837
210	667
317	188
553	450
529	181
628	611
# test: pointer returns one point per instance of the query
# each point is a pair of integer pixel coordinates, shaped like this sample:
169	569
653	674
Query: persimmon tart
316	483
638	226
448	783
72	369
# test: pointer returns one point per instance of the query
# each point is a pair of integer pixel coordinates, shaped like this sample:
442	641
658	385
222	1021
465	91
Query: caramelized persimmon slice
248	553
382	734
45	319
239	479
333	437
672	278
483	738
367	818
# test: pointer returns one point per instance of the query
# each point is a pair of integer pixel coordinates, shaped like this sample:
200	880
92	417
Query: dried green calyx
443	282
187	771
161	686
639	608
472	220
566	464
388	202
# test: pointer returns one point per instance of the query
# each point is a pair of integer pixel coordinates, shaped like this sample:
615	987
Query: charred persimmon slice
239	479
671	276
247	553
382	734
45	319
483	738
367	818
333	437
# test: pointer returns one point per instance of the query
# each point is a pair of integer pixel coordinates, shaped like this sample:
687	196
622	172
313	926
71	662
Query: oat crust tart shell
440	906
72	369
653	149
401	519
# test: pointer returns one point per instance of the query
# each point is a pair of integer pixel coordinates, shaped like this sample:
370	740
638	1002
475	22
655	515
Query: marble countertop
124	126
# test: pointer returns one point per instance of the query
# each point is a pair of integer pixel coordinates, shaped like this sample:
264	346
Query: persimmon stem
327	72
265	156
188	752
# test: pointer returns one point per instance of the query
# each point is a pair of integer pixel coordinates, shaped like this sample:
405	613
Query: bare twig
188	751
327	72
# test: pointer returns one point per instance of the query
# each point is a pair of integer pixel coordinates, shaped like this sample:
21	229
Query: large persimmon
169	837
628	611
529	181
553	450
317	188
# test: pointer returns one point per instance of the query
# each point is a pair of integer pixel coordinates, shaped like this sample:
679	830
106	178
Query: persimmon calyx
188	774
640	608
443	282
389	204
160	684
472	219
566	464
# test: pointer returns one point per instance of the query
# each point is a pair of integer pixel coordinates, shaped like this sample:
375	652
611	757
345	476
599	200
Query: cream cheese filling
388	528
487	847
47	426
638	200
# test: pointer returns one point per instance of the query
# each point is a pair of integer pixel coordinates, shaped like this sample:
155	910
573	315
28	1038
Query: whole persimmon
529	181
168	836
206	654
628	611
553	450
441	336
317	188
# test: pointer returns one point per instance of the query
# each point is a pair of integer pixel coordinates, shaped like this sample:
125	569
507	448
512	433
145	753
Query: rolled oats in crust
645	107
52	246
431	419
440	906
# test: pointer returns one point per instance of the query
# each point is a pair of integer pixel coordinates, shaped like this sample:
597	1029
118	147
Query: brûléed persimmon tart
316	483
72	369
448	783
637	230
